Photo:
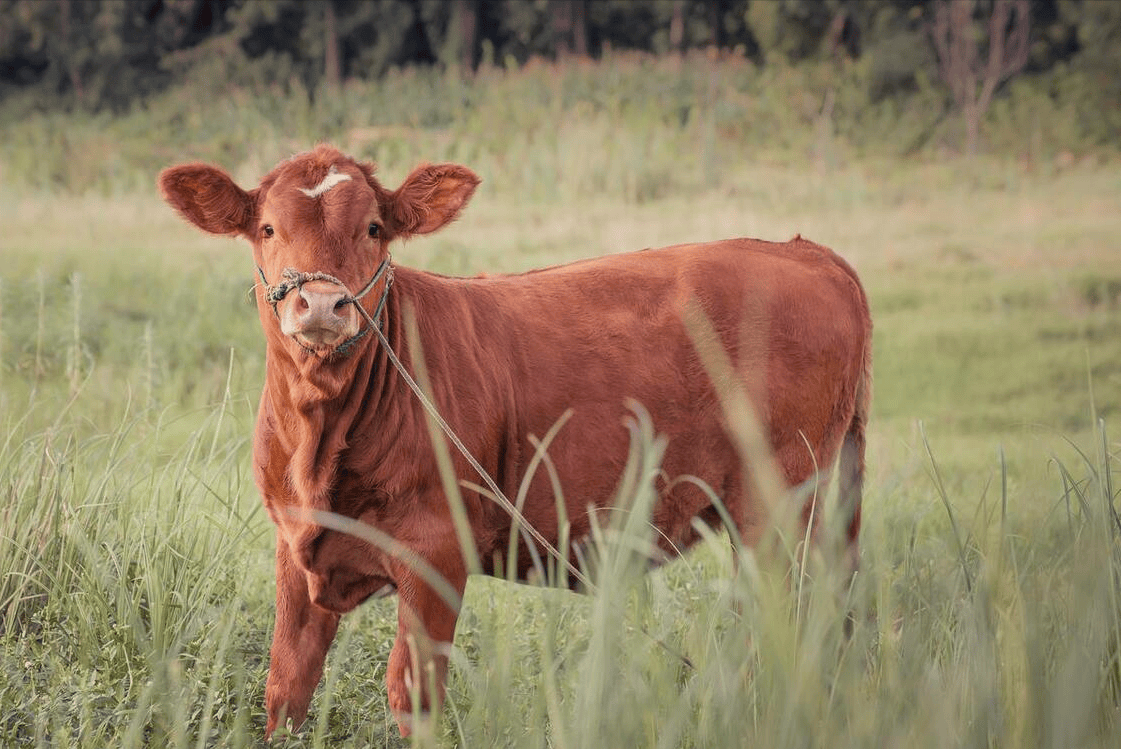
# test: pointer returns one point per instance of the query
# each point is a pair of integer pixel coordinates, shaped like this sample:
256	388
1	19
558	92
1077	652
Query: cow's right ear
209	199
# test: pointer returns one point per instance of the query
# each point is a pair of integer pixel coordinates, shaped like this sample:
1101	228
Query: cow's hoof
410	723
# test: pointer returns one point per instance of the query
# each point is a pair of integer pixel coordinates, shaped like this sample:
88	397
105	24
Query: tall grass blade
941	488
74	360
540	453
3	359
448	477
748	437
386	543
222	406
40	322
1105	474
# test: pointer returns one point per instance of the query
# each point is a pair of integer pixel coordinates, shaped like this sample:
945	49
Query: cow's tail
851	463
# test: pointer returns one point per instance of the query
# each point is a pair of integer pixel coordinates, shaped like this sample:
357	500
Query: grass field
136	563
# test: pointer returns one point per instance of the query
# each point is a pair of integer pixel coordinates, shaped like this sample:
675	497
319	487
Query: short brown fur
507	356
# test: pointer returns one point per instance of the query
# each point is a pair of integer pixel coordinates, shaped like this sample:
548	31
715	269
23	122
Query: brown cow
339	430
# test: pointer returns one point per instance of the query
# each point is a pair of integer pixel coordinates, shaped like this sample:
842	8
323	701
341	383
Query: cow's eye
266	230
374	230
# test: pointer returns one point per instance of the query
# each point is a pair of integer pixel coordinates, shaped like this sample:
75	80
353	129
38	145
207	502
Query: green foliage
792	29
98	55
634	127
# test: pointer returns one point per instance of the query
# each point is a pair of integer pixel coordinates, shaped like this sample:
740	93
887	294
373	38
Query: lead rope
293	279
499	496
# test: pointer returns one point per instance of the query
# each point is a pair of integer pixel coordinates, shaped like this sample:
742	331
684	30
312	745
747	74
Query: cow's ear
209	199
430	197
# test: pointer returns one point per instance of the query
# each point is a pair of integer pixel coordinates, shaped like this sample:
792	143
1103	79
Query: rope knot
290	278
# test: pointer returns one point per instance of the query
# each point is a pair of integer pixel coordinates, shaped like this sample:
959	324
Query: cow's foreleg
300	641
425	629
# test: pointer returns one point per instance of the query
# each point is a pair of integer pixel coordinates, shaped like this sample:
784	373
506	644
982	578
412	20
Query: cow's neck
316	409
315	405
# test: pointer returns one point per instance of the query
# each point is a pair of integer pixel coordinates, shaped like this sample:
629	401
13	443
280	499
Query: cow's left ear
429	198
208	198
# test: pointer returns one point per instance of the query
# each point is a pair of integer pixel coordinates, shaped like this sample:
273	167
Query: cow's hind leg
300	641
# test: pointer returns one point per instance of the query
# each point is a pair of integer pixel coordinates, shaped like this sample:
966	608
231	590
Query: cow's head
320	225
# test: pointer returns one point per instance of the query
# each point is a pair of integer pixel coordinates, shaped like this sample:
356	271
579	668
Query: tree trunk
972	82
677	27
569	21
834	36
560	17
72	71
332	69
467	25
971	115
580	27
715	10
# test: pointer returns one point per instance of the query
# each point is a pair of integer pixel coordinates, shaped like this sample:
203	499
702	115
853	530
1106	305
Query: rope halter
290	279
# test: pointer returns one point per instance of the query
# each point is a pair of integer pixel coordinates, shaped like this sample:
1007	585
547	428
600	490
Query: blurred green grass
135	563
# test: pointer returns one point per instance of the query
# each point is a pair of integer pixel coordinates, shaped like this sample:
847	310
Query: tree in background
801	29
1091	31
973	63
332	67
463	35
109	54
570	27
94	52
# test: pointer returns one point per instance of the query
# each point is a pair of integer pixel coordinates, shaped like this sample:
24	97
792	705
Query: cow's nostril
341	303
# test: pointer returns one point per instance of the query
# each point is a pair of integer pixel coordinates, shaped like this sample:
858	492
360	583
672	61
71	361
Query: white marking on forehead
334	177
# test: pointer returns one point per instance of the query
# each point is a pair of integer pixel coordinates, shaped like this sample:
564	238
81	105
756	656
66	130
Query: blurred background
140	80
